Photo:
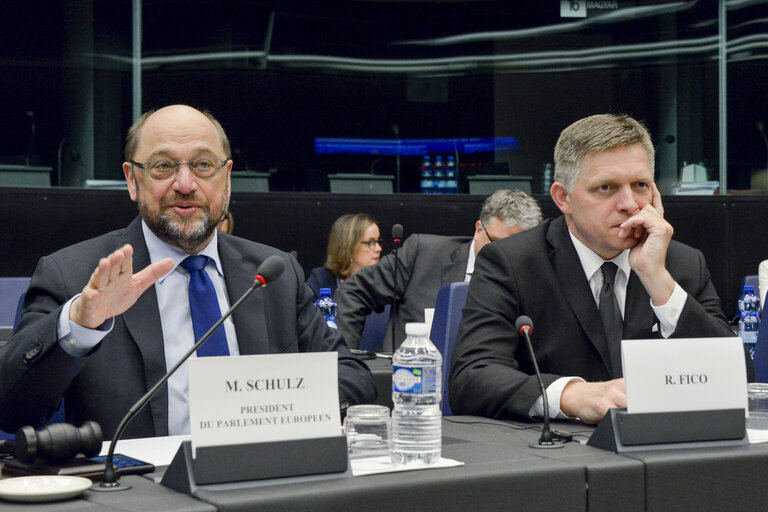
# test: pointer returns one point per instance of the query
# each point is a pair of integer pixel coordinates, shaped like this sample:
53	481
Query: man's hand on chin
648	257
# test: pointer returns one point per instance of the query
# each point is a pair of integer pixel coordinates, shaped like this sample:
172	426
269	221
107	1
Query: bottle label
407	379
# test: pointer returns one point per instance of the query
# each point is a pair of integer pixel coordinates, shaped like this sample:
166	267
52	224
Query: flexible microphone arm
397	238
524	326
268	271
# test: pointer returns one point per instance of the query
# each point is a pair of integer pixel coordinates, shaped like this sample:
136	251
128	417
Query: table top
501	472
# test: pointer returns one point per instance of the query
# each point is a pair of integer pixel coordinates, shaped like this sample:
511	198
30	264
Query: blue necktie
204	307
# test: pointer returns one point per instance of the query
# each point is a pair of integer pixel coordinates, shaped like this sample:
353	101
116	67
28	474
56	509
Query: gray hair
596	134
511	207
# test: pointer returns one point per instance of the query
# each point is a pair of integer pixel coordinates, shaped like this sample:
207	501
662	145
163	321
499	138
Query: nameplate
262	398
687	374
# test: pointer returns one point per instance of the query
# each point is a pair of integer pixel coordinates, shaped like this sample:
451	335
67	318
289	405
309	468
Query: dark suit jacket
35	372
427	262
321	277
538	273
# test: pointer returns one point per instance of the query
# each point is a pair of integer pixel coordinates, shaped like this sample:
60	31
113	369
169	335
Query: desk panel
501	472
144	495
614	483
495	477
717	479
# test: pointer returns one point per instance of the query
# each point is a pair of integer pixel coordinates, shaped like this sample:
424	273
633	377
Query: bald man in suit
99	335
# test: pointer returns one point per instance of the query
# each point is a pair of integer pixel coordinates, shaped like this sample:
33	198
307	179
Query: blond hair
346	233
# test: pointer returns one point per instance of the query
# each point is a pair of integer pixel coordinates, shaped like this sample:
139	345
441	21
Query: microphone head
759	125
271	268
397	231
522	322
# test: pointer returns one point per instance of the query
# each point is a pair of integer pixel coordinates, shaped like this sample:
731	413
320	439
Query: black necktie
609	310
204	307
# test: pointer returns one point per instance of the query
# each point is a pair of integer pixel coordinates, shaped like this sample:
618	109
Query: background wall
729	230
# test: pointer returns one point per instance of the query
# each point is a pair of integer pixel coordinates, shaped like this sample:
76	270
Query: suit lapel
142	321
567	266
250	318
456	269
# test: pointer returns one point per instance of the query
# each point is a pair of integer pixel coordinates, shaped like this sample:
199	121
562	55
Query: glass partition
282	75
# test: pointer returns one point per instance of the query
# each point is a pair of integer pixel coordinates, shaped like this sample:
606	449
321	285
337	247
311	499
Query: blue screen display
414	147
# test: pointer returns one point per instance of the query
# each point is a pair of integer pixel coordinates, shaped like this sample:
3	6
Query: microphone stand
110	481
546	440
397	239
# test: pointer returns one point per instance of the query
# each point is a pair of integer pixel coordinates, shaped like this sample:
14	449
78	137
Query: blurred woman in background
354	243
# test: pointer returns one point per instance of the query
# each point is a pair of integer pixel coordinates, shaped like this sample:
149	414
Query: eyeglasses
372	243
486	233
161	170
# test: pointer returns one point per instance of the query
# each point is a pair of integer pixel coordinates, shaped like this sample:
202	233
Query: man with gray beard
89	333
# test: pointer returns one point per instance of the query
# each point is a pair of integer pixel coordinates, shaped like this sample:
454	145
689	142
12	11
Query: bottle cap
325	291
416	329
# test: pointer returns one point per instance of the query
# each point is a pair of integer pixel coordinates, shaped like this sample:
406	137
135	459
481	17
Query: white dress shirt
667	314
178	334
470	262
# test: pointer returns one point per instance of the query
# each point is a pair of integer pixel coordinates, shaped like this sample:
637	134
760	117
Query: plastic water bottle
438	176
416	393
451	185
327	307
749	321
426	175
546	179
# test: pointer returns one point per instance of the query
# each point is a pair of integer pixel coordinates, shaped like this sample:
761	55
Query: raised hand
113	287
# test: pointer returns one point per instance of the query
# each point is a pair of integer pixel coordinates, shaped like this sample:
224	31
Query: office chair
58	416
10	289
375	329
760	359
445	325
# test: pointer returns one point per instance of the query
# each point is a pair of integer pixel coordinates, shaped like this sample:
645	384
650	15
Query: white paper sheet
155	450
376	465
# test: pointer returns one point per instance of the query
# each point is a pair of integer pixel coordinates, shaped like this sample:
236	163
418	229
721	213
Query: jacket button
33	352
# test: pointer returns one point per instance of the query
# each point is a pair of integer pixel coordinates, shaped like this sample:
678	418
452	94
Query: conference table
500	472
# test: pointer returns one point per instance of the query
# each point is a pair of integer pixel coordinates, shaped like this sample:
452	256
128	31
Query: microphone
267	272
524	325
397	235
397	238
